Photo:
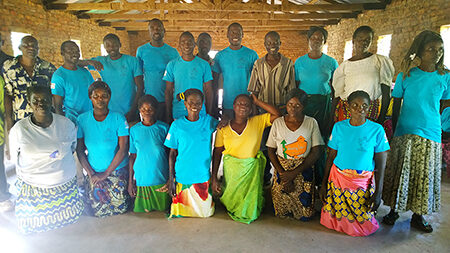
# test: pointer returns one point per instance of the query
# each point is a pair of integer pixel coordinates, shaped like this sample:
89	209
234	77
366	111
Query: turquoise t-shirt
445	120
154	62
186	75
73	86
193	142
119	75
147	142
356	145
102	138
315	74
421	92
236	67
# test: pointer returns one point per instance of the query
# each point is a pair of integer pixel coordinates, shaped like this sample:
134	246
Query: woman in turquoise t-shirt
104	134
352	184
413	174
149	166
189	140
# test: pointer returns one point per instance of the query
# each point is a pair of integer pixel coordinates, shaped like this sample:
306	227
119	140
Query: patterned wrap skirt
345	209
243	195
192	200
42	209
412	179
298	204
446	155
110	197
149	199
343	110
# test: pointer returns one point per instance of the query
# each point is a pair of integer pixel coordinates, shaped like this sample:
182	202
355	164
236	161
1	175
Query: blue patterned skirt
42	209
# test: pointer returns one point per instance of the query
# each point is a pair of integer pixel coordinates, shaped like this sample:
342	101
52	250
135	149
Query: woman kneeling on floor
357	153
42	146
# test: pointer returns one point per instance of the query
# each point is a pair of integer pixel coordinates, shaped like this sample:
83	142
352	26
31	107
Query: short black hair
187	34
156	20
299	94
66	43
99	85
148	99
363	28
235	24
277	35
189	92
204	35
41	89
314	29
358	94
111	36
243	96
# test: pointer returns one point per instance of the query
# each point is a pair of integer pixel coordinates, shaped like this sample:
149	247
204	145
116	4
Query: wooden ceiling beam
232	6
274	23
209	29
211	15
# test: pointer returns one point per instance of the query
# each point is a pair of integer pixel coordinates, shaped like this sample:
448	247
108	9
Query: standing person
365	71
104	134
204	43
123	74
20	73
353	181
154	57
6	204
189	140
294	145
313	73
186	72
273	76
235	63
149	168
70	84
243	163
42	147
413	175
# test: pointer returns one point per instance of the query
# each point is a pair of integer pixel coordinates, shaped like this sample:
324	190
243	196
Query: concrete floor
154	233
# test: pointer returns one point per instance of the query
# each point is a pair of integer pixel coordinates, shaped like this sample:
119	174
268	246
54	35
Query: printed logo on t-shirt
168	137
52	86
54	154
295	149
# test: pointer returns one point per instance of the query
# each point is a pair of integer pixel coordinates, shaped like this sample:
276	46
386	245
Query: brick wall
293	44
51	28
404	19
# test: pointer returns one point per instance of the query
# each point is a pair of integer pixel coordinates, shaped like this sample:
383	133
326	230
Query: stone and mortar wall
404	19
51	28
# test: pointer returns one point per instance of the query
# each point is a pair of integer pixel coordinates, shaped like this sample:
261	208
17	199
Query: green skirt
243	187
148	199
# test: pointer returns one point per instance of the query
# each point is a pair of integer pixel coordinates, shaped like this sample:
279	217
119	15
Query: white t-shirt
294	144
366	74
44	156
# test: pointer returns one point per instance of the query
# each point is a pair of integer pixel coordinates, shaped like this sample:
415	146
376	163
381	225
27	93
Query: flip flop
390	218
421	224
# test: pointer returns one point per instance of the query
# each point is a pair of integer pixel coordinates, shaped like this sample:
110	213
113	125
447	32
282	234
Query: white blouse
366	74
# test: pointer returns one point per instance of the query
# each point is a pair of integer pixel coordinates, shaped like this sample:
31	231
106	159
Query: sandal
418	222
390	218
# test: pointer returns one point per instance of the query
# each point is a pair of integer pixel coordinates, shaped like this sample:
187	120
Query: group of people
74	149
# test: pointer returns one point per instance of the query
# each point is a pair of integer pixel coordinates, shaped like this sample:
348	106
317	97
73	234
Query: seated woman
104	134
149	167
357	154
189	140
294	145
42	146
243	163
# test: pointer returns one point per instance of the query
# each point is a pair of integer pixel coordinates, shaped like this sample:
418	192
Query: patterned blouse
17	80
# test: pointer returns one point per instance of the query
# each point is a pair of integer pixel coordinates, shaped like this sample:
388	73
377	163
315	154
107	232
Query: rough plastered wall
293	44
404	19
51	28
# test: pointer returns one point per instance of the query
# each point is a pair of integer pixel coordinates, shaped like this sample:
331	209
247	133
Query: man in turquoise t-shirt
235	63
70	84
186	72
154	57
123	74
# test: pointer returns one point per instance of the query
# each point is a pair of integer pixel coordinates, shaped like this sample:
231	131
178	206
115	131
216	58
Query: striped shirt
272	84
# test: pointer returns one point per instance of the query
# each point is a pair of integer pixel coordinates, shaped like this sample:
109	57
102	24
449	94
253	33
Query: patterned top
17	80
272	84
